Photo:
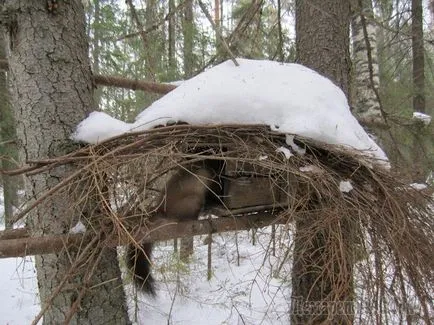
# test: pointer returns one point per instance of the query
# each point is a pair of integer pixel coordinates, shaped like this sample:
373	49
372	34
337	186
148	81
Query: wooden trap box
245	185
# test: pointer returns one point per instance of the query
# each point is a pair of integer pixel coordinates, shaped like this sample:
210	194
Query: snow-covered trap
357	227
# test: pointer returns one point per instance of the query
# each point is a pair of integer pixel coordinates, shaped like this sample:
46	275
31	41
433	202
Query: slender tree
96	48
171	49
51	92
188	34
365	61
8	148
418	56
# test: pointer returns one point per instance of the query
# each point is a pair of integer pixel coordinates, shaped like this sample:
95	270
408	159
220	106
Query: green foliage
117	48
260	39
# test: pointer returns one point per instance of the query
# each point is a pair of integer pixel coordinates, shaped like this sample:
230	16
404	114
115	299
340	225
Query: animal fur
182	199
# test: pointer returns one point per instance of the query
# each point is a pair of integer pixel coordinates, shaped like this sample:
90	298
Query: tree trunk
186	248
172	42
418	56
51	93
152	46
217	21
322	39
188	31
96	50
8	147
322	294
366	78
431	11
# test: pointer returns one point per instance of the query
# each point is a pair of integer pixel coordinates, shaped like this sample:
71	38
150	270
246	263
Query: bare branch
142	35
157	232
120	82
218	32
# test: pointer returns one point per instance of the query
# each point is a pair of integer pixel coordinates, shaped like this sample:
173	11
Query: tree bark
421	144
418	56
365	62
172	42
186	248
51	92
96	50
17	242
188	31
8	147
319	26
321	293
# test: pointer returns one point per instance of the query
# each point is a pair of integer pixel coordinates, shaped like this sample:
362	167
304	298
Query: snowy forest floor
236	294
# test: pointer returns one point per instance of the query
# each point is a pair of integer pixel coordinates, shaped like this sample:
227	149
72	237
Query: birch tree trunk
365	62
51	92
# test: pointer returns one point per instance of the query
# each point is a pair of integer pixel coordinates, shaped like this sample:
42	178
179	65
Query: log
159	231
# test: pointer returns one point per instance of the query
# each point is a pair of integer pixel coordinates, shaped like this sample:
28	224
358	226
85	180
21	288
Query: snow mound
290	98
424	118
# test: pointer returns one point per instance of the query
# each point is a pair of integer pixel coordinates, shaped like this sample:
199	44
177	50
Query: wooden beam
14	233
162	230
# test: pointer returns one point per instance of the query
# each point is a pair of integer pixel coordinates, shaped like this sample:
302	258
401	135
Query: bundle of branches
358	228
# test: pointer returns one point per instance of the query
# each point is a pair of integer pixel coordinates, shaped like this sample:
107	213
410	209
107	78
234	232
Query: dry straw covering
372	242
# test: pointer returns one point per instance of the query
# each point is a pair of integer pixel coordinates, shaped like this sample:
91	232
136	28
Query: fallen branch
120	82
158	232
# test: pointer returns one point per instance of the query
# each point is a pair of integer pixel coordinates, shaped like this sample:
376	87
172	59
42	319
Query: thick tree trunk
322	39
51	93
321	293
365	62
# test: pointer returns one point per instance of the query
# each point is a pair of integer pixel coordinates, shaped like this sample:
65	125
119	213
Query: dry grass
377	239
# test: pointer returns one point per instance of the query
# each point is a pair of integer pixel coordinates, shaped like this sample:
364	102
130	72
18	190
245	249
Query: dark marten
182	199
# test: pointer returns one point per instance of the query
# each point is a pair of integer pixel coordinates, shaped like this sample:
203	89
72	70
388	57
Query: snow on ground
290	98
19	302
244	294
